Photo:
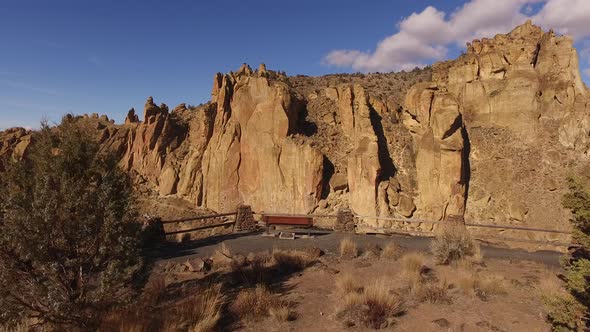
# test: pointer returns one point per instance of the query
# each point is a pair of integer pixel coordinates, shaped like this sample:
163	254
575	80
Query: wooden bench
285	220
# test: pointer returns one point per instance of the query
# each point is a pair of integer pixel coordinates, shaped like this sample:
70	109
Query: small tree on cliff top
68	248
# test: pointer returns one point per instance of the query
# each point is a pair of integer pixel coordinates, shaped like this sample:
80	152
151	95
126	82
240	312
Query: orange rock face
489	137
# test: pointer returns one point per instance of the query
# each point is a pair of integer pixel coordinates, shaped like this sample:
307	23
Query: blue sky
108	56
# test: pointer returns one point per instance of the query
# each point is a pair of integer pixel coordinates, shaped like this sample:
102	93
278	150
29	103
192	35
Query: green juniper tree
69	245
570	311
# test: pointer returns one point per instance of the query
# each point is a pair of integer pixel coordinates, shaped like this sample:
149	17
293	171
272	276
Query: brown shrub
391	250
374	306
452	243
488	286
346	283
466	283
290	261
413	263
282	313
348	248
484	287
253	304
154	290
198	313
372	251
432	291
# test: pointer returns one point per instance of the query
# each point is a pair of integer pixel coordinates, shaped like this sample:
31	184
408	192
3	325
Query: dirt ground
316	301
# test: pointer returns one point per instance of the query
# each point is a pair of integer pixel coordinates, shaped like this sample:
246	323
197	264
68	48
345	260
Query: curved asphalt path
244	243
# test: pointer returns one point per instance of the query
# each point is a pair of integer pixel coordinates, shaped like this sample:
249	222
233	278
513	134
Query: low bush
70	245
452	243
564	312
282	314
482	286
346	283
432	291
412	264
257	303
374	306
348	248
391	250
197	313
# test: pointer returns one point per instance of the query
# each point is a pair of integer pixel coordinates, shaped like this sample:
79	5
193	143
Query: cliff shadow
326	176
303	125
466	164
387	167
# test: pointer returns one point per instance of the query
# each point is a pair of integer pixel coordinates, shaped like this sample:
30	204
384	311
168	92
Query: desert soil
316	301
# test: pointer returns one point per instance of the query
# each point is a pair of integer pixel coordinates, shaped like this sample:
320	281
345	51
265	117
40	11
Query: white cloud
426	36
570	17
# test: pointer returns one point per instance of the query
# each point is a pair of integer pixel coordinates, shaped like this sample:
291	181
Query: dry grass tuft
432	291
346	283
154	290
348	248
412	264
550	285
466	282
452	243
391	250
291	261
198	313
282	313
375	305
474	284
489	285
21	327
253	304
222	257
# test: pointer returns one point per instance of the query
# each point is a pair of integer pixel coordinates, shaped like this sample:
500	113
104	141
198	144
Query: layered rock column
434	119
363	161
250	158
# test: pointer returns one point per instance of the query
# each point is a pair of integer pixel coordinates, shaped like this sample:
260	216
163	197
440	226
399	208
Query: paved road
329	241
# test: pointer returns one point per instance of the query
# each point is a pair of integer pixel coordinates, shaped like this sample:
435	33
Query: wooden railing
473	225
200	228
265	216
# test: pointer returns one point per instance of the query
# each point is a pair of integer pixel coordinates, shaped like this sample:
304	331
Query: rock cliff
498	129
489	137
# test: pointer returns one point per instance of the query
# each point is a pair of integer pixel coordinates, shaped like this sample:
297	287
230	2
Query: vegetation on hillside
69	248
568	311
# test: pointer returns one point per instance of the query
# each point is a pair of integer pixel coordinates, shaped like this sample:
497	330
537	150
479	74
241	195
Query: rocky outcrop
433	117
14	144
499	129
488	138
250	158
131	117
363	161
149	144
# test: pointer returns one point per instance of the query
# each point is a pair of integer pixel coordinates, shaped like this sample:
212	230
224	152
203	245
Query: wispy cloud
427	36
26	86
